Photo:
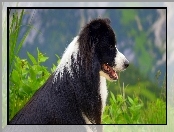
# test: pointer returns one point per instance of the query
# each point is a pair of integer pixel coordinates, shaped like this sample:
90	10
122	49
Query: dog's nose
126	63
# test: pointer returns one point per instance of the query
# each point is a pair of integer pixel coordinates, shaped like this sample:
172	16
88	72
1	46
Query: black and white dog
76	92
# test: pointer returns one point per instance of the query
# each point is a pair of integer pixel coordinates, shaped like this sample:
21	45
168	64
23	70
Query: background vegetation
139	97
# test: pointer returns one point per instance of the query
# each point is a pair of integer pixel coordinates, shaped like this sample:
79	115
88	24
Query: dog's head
102	42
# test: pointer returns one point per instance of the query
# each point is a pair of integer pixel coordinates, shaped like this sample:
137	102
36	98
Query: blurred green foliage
25	79
127	110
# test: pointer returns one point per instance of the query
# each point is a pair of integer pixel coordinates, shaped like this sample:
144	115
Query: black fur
63	100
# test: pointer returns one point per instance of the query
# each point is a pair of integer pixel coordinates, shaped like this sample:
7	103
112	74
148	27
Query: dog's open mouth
110	71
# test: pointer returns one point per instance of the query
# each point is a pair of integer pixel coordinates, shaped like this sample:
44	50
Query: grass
123	109
15	25
133	111
25	78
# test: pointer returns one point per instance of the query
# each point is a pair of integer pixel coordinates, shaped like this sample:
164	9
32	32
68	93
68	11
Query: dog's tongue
111	72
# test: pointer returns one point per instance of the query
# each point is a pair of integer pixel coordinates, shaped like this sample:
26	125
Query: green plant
155	113
15	44
15	25
122	110
25	79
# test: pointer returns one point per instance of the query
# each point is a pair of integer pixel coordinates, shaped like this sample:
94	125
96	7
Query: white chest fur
103	91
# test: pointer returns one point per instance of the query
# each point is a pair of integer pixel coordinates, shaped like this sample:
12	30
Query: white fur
86	119
103	91
72	49
119	61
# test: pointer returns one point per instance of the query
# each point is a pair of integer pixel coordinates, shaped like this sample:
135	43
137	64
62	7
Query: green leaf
32	58
17	63
43	59
23	39
19	26
25	89
120	98
113	97
53	68
15	76
130	100
32	73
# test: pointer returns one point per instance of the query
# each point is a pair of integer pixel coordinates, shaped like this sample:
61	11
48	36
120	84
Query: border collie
76	92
